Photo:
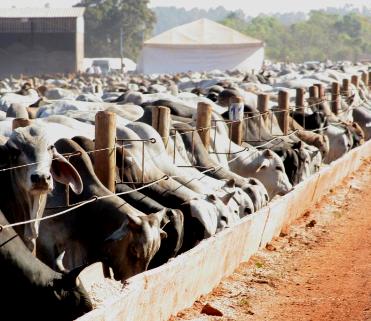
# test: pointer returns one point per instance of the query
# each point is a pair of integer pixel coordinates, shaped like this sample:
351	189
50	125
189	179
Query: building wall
80	54
40	46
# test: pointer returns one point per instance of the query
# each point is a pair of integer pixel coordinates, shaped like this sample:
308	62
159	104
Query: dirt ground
319	270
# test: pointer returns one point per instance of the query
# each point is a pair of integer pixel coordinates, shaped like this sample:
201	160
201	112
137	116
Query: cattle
17	111
25	187
31	290
26	98
203	214
201	158
108	230
311	121
296	161
264	165
173	223
173	220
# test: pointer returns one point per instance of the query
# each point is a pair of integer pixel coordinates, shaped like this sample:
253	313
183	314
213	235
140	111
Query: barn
202	45
41	40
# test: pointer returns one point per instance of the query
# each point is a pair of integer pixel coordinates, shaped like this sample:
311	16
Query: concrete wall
159	293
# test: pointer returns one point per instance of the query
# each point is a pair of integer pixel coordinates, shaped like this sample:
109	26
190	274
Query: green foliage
322	36
105	18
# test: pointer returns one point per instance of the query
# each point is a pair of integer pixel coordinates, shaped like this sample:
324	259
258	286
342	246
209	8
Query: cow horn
134	221
59	263
70	279
161	216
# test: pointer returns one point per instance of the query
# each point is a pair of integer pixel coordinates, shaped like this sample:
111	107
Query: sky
250	7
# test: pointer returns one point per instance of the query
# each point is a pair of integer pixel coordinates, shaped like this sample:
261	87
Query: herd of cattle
186	192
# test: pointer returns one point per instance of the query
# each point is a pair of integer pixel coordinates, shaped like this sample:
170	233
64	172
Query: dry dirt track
319	270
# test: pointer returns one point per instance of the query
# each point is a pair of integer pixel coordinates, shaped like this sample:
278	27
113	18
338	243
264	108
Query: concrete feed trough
159	293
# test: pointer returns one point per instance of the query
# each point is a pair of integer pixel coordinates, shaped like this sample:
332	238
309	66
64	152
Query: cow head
71	300
271	172
132	246
36	162
240	199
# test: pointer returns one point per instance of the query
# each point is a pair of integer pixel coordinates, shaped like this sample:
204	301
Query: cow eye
279	169
50	148
14	153
134	252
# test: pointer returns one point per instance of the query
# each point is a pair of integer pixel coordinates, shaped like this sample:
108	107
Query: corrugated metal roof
41	12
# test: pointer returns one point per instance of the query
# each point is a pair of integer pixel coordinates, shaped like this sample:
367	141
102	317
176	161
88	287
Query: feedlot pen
157	294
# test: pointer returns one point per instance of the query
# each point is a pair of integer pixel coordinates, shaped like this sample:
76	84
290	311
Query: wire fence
252	149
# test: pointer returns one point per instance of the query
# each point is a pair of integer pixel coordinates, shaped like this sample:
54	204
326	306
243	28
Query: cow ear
264	164
231	183
268	153
211	198
119	234
134	222
63	172
300	145
226	198
4	156
284	155
163	234
161	216
71	279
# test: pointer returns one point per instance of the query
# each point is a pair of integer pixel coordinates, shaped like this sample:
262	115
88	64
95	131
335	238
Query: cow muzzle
41	183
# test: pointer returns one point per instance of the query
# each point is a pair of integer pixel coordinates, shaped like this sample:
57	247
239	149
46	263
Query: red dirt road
320	270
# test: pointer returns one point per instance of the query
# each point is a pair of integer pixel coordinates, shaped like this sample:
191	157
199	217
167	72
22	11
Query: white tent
202	45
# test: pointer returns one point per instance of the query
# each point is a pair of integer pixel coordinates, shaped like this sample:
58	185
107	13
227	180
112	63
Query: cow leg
106	271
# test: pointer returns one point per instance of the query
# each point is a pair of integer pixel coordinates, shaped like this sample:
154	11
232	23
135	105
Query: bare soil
318	270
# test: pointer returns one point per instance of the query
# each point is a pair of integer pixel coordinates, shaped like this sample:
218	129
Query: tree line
322	36
319	35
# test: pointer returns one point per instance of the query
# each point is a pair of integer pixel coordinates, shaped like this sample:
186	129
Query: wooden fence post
345	88
20	122
299	99
355	81
365	78
300	102
161	121
203	122
284	107
236	115
105	138
313	92
321	91
263	105
335	98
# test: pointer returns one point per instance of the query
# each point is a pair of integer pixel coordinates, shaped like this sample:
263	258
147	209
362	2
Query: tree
322	36
105	18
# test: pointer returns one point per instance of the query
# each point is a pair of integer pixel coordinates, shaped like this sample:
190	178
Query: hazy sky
250	7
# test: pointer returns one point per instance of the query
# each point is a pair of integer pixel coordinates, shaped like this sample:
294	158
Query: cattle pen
165	290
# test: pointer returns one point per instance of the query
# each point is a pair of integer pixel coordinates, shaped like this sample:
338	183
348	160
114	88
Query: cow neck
222	146
17	262
19	205
111	206
203	159
152	172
